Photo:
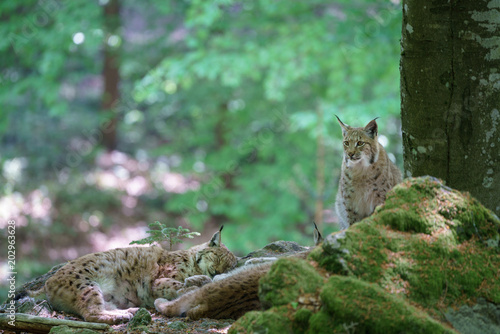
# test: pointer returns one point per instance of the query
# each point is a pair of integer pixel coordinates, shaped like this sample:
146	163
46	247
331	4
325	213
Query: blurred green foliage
232	94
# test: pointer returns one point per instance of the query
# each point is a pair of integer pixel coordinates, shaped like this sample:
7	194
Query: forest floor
178	326
159	324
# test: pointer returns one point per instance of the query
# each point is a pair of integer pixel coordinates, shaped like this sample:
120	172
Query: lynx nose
351	155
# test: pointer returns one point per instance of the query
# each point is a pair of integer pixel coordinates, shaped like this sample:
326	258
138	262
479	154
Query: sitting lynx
228	298
367	174
109	286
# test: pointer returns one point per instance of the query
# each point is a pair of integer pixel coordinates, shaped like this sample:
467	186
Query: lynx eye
360	143
346	143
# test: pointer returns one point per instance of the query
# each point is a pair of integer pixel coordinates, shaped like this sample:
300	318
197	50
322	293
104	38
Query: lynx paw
112	317
163	306
197	280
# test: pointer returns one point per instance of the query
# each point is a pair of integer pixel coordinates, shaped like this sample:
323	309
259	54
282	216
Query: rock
274	249
428	246
141	318
482	318
426	205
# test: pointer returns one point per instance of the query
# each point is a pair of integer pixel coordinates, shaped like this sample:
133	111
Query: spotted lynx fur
367	174
227	298
109	286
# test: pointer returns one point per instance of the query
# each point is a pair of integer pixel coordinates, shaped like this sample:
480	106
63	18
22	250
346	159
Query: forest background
115	114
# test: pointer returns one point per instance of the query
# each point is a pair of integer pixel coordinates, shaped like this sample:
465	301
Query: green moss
261	322
301	320
425	205
287	279
403	220
179	325
468	271
371	309
322	323
358	253
141	318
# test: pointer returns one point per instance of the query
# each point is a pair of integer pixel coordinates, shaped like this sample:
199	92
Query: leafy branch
163	233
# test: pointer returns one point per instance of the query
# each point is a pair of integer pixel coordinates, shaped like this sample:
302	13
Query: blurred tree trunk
220	137
320	170
111	73
450	94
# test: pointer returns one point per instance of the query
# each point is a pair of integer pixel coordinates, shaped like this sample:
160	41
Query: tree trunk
111	74
320	170
450	94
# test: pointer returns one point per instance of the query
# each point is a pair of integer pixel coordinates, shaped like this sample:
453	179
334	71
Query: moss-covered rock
426	205
428	246
287	279
140	318
367	308
349	305
427	242
271	321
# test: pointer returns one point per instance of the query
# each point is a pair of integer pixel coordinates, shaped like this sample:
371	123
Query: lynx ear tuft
216	238
371	128
343	126
317	235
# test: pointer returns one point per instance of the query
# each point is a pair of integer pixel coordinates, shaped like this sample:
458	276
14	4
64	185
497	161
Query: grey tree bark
450	94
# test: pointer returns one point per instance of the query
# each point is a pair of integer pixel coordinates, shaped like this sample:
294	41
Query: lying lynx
367	174
227	298
109	286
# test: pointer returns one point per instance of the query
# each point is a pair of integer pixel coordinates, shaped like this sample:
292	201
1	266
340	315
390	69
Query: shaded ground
161	324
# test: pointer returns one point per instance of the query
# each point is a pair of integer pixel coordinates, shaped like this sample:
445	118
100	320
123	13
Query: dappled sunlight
13	169
107	180
11	207
4	271
100	242
177	183
137	186
36	205
65	254
121	172
120	237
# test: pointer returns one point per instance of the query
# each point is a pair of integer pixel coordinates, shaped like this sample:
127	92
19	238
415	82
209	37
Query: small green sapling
163	233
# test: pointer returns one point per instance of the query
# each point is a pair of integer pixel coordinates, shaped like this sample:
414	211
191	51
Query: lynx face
360	144
215	261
